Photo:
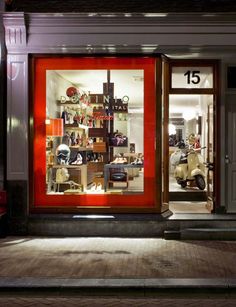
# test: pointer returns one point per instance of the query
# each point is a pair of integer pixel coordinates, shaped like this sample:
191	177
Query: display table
108	167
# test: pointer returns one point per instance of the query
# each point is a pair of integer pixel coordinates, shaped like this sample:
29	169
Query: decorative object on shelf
65	116
62	175
74	98
89	143
54	128
72	138
99	147
72	91
132	147
84	100
63	99
66	139
63	154
117	139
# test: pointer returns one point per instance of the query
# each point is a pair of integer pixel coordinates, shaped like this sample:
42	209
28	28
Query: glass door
191	149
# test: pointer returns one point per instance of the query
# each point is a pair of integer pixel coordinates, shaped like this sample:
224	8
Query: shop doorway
191	135
190	99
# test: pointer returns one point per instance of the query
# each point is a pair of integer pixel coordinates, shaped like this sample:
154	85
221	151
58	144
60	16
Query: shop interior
190	150
94	138
94	132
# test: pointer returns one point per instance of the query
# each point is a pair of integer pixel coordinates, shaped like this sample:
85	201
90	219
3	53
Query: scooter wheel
178	181
200	182
183	184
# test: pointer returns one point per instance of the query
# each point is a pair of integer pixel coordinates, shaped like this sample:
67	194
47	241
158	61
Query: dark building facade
118	112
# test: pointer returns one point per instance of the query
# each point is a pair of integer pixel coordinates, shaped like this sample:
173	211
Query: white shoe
99	187
93	187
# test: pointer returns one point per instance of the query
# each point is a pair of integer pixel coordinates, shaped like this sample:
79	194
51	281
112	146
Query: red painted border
147	199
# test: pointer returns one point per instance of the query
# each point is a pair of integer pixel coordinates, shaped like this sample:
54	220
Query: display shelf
76	127
67	102
68	166
79	148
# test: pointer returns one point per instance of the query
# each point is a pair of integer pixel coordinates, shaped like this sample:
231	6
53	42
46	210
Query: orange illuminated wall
144	200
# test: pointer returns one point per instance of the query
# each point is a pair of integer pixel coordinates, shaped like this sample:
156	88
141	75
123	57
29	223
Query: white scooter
191	167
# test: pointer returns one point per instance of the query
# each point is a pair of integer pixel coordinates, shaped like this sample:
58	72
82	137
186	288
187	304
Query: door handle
227	161
210	166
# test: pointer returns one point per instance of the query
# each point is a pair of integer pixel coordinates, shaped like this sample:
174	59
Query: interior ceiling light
189	114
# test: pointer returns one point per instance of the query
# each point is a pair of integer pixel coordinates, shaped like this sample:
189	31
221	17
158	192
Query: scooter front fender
179	173
196	172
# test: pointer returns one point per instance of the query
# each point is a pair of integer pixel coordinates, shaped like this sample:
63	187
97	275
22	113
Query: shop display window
99	118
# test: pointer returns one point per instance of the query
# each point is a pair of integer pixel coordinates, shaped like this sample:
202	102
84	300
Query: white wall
56	87
136	131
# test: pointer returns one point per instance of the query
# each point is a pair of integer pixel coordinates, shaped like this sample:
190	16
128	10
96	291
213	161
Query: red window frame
144	200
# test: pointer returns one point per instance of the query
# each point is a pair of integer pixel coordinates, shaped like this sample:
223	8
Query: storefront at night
119	114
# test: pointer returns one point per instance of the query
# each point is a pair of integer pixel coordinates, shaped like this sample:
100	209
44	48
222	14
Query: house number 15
193	76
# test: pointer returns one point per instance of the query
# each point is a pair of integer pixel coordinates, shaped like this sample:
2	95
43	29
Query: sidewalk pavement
83	264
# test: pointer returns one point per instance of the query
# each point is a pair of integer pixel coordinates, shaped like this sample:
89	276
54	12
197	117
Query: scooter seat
183	161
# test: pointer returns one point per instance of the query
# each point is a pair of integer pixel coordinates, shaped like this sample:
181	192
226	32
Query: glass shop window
94	131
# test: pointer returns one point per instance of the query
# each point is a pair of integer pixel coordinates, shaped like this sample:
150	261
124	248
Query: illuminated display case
92	115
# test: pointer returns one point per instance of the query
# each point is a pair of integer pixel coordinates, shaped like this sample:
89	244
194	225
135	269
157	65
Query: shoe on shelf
140	161
120	159
93	187
79	160
99	187
137	161
115	161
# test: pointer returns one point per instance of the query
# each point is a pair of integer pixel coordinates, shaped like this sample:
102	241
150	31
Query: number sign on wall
192	77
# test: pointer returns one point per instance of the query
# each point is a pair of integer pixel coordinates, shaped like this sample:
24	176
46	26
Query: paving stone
114	302
114	258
